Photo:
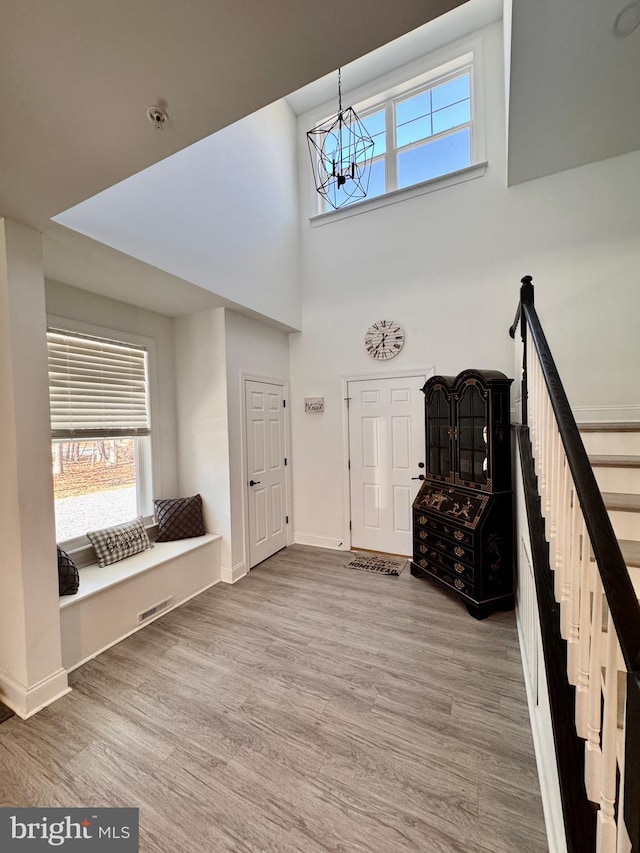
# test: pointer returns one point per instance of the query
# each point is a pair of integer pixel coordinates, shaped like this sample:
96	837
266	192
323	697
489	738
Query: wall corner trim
232	574
27	701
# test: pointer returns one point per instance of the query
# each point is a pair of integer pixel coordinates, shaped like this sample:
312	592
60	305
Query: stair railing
592	600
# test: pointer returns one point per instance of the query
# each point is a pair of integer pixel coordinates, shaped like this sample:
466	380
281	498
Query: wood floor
310	707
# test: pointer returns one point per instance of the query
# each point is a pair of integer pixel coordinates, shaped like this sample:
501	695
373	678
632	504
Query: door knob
254	482
419	477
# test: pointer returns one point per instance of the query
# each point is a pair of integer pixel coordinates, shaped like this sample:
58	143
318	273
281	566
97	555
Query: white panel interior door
265	469
386	443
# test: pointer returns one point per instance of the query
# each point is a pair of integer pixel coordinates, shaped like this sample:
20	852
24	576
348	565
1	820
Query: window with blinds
100	433
97	387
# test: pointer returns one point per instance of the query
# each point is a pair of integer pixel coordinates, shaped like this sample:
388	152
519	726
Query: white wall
262	351
213	351
83	307
447	266
31	674
221	214
203	433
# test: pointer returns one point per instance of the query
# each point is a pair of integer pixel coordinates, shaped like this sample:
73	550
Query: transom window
422	132
100	428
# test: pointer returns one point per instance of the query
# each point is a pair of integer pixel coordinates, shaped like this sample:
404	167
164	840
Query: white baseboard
232	574
318	541
135	630
544	748
586	414
27	701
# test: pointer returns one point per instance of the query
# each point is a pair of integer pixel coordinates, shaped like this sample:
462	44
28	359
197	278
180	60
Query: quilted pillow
179	518
68	575
122	540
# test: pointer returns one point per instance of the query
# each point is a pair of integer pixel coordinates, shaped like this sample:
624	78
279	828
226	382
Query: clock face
384	339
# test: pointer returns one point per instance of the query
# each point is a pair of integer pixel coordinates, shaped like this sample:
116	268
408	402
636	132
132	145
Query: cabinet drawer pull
423	549
458	584
458	534
422	519
458	551
422	563
422	534
459	568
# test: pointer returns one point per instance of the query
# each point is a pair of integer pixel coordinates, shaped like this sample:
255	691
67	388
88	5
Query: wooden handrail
621	597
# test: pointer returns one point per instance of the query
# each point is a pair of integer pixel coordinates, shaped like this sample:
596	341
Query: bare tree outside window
94	484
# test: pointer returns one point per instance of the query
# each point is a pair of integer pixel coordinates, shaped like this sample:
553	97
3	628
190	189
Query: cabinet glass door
438	435
472	436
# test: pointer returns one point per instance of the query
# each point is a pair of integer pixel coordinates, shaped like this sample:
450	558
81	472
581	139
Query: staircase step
634	574
614	461
609	426
631	552
612	442
617	472
619	502
624	512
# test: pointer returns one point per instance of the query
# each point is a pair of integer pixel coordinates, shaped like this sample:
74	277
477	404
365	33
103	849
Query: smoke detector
627	20
158	117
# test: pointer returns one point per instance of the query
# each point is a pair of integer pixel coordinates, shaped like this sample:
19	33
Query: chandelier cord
339	90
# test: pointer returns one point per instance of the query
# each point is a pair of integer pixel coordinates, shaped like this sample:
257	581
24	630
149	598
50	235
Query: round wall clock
384	339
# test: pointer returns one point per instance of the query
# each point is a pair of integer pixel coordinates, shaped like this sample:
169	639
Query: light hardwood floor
310	707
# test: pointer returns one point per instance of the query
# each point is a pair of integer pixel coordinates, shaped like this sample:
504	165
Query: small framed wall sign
314	405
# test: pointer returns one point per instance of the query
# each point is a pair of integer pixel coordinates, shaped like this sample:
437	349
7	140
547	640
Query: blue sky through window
432	130
435	158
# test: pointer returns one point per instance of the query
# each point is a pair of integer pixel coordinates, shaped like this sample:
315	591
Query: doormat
5	713
377	564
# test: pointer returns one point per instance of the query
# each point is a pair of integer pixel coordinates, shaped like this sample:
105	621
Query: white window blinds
97	387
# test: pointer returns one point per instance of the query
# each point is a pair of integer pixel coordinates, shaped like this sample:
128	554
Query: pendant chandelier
341	153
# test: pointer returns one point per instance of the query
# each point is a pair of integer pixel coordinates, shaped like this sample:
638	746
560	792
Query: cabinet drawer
434	557
460	584
457	583
434	541
464	537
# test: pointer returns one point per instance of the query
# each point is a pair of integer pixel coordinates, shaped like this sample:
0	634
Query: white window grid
388	101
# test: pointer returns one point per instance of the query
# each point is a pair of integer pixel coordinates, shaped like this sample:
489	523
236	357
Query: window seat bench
118	600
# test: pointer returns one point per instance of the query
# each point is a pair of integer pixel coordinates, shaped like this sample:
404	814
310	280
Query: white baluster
554	510
572	528
593	753
607	830
563	547
550	435
531	392
551	495
584	638
542	413
624	842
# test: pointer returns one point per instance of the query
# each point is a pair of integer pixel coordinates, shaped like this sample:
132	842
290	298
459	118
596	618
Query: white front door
386	443
265	469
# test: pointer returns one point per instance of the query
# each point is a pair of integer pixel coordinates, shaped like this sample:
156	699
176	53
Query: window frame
147	447
403	84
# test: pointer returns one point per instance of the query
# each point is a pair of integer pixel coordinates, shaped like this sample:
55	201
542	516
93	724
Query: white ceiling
574	86
76	79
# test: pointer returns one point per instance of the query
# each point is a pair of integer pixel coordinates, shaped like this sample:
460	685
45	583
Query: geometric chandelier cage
341	152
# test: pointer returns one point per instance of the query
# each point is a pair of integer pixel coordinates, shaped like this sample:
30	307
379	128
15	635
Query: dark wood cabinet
463	513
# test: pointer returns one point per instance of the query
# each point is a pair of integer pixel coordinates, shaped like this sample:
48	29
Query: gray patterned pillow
122	540
179	518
